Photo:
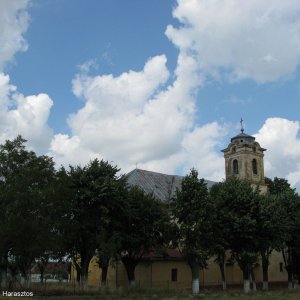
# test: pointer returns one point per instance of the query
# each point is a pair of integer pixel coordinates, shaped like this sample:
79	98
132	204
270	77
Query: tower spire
242	127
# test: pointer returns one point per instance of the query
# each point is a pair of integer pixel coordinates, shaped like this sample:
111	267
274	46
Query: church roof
162	186
244	136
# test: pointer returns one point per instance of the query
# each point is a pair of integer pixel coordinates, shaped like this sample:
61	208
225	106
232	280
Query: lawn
141	294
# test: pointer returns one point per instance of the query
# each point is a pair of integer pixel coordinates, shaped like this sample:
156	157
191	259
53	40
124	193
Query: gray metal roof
244	136
162	186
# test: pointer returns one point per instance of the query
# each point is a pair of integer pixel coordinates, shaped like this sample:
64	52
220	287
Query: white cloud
13	23
282	158
25	115
135	119
257	39
19	114
200	151
88	65
123	117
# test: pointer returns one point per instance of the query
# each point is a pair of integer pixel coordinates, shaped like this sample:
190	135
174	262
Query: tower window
254	166
235	165
233	149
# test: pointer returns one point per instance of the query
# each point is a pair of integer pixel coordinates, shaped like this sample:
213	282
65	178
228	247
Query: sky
158	85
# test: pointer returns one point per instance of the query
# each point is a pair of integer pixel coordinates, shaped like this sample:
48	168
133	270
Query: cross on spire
242	128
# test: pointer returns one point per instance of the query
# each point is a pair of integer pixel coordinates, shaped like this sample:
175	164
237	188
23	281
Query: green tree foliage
91	204
144	228
240	206
289	206
193	213
278	186
108	237
27	188
271	230
221	232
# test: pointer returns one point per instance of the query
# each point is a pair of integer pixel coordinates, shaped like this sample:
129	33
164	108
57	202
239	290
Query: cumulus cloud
14	21
134	119
123	115
200	151
282	158
257	39
197	150
25	115
19	114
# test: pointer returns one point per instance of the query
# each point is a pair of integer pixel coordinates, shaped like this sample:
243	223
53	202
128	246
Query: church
243	158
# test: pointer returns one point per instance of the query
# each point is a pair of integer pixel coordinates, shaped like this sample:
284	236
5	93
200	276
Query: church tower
244	158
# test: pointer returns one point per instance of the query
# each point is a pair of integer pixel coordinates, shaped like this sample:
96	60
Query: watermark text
17	294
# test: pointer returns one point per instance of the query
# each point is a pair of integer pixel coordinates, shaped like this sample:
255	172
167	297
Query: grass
67	293
145	294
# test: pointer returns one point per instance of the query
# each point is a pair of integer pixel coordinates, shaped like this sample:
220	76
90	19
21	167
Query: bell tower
244	158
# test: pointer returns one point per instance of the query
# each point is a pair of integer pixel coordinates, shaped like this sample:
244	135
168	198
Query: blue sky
118	35
158	84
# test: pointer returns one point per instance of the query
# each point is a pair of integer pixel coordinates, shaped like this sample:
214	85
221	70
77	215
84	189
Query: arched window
254	166
235	165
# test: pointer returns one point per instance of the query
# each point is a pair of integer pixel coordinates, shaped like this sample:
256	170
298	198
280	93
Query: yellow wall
157	274
275	275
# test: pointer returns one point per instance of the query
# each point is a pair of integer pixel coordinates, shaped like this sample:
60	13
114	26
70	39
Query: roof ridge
153	172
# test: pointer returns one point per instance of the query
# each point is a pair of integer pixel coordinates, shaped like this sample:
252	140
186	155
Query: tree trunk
29	278
25	279
103	263
265	267
288	266
42	277
84	281
246	278
78	278
25	269
3	271
195	268
265	286
104	276
253	281
130	268
42	264
3	278
222	270
85	272
290	277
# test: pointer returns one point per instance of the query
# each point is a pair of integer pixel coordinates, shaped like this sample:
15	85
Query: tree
193	214
271	230
88	211
289	205
221	232
143	230
240	205
296	258
26	191
108	237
